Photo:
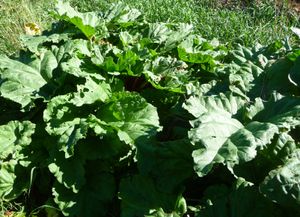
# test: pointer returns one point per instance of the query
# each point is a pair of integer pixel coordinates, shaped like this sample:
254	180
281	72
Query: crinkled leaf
159	32
107	147
121	14
92	199
210	131
76	67
35	42
7	178
195	49
78	47
277	77
130	116
283	112
242	200
128	18
170	163
198	105
254	108
14	180
128	39
14	136
169	35
282	185
242	146
125	62
282	147
85	22
167	73
20	82
91	92
66	121
241	54
182	31
139	196
245	81
69	172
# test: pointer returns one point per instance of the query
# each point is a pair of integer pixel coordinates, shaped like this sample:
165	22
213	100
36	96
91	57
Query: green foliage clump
108	114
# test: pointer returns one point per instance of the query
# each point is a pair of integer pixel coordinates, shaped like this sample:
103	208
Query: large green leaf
242	200
107	147
159	32
14	180
182	30
120	13
33	43
195	49
168	35
282	185
93	198
167	73
85	22
76	67
277	77
140	197
282	147
245	80
125	62
69	172
242	146
99	87
66	119
21	82
169	163
210	131
92	91
282	111
198	105
130	116
7	178
14	136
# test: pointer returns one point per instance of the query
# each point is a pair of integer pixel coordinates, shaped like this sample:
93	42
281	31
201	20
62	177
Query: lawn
231	22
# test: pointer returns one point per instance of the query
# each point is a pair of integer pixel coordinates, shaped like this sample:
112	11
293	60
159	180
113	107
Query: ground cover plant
108	114
232	21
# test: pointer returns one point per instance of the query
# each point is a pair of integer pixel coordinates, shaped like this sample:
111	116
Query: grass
14	14
257	21
232	22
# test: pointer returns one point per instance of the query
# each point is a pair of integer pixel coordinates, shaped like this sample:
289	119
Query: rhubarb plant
106	114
